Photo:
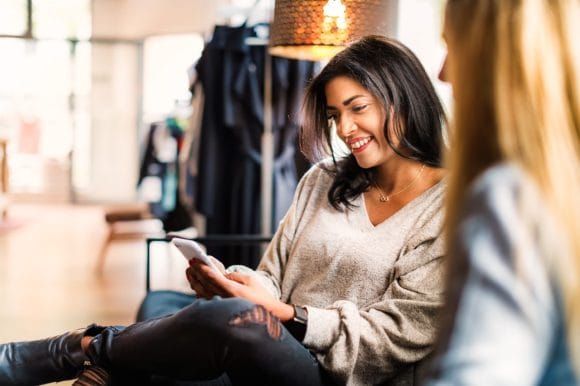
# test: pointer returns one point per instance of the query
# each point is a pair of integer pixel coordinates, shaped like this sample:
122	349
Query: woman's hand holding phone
207	284
204	280
207	277
250	287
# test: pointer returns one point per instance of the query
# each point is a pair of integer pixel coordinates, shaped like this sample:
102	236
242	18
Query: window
166	63
61	19
13	16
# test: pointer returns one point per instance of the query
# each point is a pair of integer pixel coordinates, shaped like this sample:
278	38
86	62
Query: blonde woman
513	200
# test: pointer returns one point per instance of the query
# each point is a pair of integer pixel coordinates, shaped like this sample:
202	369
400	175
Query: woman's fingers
239	278
193	283
198	284
208	283
205	280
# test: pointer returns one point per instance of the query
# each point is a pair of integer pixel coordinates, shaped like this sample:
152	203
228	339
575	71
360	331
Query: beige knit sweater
372	292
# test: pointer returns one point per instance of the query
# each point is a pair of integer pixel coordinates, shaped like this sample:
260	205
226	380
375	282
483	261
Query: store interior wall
136	19
115	102
124	97
114	136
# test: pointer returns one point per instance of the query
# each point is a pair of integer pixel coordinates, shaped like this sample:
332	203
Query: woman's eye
359	108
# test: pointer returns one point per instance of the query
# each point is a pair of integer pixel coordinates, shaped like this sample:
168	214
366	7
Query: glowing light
334	8
316	30
334	22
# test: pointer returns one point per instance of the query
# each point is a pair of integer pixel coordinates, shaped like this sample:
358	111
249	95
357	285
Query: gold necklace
383	197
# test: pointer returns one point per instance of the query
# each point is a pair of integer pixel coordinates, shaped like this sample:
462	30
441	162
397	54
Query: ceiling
136	19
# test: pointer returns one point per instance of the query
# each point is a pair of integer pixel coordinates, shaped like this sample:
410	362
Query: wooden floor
48	283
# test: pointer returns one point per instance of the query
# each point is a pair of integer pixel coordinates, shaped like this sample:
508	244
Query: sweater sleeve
504	310
393	332
271	267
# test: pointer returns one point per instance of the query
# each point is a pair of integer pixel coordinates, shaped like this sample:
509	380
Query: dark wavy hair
393	75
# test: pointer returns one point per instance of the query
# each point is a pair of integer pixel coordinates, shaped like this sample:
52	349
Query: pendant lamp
317	29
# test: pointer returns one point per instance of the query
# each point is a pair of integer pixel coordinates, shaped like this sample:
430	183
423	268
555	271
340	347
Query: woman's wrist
297	325
284	312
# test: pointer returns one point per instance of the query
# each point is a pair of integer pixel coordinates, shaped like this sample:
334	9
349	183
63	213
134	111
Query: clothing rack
267	150
267	140
268	161
267	144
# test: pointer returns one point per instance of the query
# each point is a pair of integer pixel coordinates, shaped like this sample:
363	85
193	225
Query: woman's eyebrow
349	100
346	102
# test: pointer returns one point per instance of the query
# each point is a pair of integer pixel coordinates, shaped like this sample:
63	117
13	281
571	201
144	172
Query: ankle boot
43	361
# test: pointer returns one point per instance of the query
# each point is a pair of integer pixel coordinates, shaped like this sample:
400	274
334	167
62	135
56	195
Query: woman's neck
404	174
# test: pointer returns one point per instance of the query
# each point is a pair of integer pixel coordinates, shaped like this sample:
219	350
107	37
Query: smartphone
192	250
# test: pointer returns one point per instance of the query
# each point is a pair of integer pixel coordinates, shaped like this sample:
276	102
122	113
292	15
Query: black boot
43	361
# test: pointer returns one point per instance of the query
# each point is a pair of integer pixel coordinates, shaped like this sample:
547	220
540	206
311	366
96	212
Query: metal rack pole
267	149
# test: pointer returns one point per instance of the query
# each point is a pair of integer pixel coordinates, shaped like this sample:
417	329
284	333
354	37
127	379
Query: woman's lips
358	145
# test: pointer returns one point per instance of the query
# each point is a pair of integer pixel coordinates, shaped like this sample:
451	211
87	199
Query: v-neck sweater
372	292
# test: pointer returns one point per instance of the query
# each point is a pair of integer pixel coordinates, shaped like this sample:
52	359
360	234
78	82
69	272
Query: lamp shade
318	29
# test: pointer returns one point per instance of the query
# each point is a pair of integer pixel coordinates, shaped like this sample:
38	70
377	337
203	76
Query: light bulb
334	23
334	8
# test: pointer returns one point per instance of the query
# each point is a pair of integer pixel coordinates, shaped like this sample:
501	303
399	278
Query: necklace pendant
383	198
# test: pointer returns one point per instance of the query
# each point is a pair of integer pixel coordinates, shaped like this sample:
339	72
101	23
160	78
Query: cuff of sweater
321	329
240	269
263	279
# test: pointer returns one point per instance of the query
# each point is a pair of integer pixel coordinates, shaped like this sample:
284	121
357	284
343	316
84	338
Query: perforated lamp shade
301	30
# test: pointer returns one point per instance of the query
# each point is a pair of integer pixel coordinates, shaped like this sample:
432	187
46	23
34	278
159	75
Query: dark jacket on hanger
228	185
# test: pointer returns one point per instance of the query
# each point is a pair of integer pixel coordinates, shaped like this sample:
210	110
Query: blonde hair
517	70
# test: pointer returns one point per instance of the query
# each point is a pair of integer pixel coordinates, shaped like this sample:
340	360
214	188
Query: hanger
262	31
244	14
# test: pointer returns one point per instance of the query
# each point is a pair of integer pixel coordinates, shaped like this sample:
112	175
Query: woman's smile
359	144
359	119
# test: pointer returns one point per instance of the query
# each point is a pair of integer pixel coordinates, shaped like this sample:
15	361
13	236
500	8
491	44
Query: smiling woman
352	107
385	109
349	290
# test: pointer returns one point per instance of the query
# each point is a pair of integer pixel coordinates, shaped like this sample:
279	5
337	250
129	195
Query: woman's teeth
360	143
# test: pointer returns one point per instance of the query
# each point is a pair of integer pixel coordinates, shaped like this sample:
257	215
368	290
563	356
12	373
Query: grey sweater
372	292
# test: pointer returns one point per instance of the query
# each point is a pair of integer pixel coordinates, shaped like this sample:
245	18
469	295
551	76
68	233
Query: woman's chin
364	162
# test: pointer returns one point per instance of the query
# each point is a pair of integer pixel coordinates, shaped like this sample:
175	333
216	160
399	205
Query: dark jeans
207	339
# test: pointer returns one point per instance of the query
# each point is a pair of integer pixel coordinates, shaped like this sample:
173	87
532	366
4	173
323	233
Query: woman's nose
346	127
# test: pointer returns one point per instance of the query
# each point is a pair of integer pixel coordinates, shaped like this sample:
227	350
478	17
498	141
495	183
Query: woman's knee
238	321
257	319
212	313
